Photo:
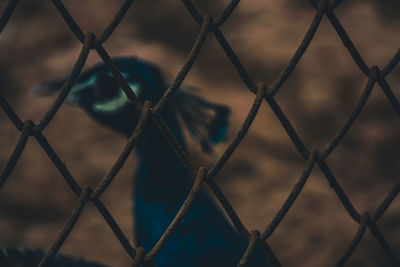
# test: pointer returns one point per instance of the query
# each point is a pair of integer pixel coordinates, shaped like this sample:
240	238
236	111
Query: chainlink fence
152	111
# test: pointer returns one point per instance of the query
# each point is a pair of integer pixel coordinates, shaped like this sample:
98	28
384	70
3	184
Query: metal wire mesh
152	111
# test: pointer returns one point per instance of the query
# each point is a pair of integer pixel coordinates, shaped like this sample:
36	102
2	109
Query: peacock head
98	93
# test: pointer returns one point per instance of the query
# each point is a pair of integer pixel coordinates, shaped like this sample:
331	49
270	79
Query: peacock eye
82	85
126	75
106	87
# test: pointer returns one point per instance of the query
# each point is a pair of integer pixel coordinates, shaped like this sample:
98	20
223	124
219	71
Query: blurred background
37	45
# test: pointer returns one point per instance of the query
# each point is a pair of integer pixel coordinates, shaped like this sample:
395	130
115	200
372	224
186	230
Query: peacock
161	183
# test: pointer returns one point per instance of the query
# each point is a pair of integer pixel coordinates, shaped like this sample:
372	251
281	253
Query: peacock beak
48	88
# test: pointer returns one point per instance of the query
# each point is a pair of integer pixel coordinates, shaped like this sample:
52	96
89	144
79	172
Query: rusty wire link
84	197
392	63
300	50
254	238
139	258
115	228
8	11
263	91
27	129
334	183
292	196
118	77
353	116
207	24
136	134
11	113
389	94
69	179
115	22
356	240
237	222
201	173
177	147
384	244
69	20
66	88
386	202
241	133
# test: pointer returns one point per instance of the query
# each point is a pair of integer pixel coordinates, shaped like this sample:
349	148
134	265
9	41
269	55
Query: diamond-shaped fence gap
90	21
214	72
269	138
266	166
292	196
176	77
239	99
96	240
186	67
265	184
145	17
25	28
236	101
366	160
356	239
121	189
333	92
41	175
387	10
17	98
368	251
258	165
88	161
29	222
313	218
33	218
53	66
360	20
265	37
106	23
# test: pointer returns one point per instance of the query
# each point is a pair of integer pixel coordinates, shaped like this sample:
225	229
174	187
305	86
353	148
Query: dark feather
205	121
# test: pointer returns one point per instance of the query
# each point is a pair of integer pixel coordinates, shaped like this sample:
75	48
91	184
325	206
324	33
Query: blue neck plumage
161	183
159	166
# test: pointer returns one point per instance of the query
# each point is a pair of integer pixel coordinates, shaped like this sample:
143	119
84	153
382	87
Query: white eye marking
126	75
112	104
73	97
80	86
117	102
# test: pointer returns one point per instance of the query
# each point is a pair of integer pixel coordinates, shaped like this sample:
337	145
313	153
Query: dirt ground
37	45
